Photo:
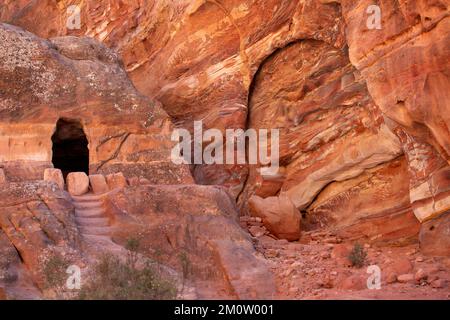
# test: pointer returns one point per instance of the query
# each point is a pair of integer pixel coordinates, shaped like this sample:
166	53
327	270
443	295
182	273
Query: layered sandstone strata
406	66
77	78
346	120
197	57
340	162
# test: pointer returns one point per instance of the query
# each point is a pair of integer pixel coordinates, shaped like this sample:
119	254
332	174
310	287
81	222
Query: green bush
133	244
357	256
114	279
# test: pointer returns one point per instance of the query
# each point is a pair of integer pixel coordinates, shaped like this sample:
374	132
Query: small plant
357	256
132	246
114	279
55	271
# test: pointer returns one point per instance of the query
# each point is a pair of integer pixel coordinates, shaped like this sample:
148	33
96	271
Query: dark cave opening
70	147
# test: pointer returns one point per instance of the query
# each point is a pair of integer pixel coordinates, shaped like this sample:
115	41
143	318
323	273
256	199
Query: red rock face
330	128
405	65
197	57
36	223
339	158
374	207
77	78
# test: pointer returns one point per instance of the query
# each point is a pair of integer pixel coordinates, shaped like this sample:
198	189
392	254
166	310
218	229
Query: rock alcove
70	147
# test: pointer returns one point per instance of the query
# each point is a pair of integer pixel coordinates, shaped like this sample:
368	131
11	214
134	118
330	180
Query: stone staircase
92	221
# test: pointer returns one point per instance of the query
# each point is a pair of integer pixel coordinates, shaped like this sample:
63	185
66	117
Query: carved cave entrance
70	147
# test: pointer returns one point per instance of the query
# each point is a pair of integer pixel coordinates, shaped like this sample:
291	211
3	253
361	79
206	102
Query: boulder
256	231
279	216
54	175
98	183
420	275
402	266
133	181
77	183
391	278
354	283
403	278
116	180
439	284
144	181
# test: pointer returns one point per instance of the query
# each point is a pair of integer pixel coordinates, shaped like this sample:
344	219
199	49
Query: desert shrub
357	256
132	245
54	270
114	279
